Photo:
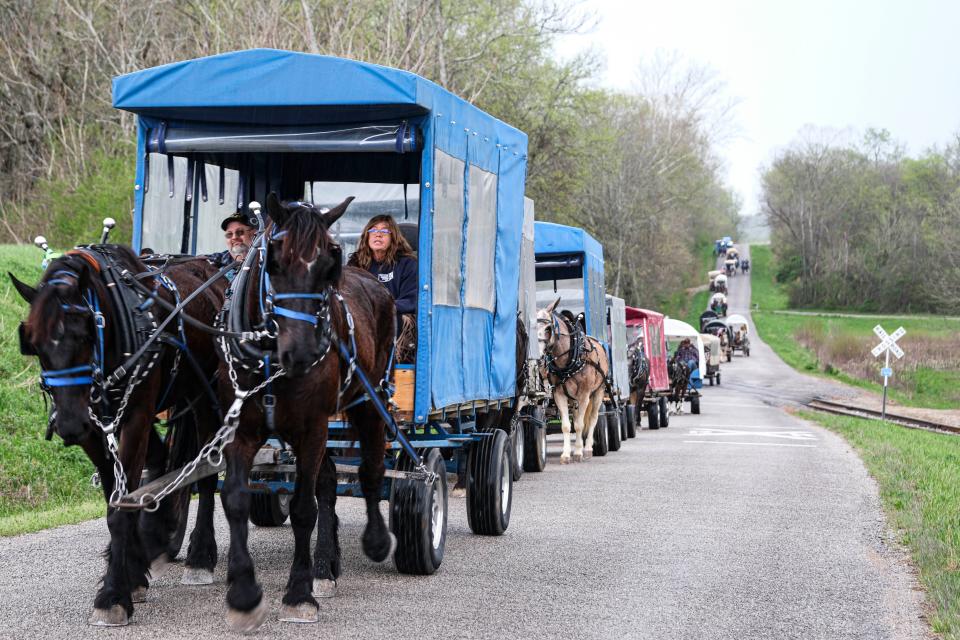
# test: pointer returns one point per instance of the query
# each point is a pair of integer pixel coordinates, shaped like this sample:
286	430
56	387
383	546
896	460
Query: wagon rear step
141	498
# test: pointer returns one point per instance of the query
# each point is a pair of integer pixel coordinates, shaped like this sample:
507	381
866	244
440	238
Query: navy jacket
400	279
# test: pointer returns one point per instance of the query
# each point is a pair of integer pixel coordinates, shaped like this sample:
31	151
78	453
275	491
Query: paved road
740	523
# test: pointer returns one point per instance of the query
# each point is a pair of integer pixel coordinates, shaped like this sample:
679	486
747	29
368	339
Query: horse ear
553	306
26	292
275	209
334	214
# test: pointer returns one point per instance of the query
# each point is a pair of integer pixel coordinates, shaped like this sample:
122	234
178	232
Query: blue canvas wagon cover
553	240
472	172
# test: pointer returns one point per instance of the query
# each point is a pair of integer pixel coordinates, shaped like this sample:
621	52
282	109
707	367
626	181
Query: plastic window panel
447	228
371	199
481	240
211	213
162	228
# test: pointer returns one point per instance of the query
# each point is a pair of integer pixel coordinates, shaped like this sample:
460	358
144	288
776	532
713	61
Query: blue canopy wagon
217	133
569	265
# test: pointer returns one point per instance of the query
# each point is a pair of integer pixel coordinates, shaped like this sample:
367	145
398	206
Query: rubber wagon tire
518	450
623	423
695	405
613	428
601	443
718	378
535	441
489	484
418	517
269	509
664	413
631	421
653	415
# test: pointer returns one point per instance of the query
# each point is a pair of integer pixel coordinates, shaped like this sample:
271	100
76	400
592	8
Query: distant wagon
650	381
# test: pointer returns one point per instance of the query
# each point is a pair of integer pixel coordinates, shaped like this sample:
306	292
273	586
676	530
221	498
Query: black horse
82	331
307	295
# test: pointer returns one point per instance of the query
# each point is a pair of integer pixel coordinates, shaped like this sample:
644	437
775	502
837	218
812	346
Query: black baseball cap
237	216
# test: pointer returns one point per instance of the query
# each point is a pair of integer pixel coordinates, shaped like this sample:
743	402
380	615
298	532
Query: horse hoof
303	613
458	492
138	595
324	588
115	616
247	621
159	566
564	459
195	576
578	457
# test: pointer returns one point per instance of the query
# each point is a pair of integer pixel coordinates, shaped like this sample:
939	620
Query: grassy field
42	484
918	473
839	347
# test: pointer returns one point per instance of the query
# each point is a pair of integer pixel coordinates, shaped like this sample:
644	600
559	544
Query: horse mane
306	235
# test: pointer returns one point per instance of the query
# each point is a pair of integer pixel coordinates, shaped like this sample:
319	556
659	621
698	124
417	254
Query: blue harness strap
66	377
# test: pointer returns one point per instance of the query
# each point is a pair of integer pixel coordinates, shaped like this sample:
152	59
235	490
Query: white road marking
787	435
717	425
754	444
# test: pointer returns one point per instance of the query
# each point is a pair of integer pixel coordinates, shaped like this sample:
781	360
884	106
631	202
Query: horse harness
577	352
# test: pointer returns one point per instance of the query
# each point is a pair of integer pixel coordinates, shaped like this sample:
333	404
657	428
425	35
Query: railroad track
841	409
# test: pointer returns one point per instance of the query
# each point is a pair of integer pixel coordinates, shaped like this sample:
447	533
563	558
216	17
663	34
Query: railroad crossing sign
888	344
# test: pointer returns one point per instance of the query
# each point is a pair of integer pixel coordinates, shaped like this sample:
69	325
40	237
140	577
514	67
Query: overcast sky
841	64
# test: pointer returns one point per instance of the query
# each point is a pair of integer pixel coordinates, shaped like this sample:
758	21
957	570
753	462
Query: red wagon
649	380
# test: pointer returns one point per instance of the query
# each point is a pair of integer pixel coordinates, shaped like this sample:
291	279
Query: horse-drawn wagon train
280	377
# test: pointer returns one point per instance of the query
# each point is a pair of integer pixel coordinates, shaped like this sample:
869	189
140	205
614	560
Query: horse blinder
26	349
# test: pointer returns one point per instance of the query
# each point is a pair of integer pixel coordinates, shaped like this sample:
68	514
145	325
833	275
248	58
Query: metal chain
110	430
212	452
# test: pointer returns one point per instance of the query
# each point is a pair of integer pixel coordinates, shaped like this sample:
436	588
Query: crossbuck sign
888	344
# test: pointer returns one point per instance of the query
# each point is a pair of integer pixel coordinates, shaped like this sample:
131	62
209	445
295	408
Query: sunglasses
235	234
383	232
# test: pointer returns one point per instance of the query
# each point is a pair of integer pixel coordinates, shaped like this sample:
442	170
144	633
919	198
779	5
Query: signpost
888	344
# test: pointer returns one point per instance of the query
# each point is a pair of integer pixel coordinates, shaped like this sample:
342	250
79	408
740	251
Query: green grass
42	483
918	473
913	384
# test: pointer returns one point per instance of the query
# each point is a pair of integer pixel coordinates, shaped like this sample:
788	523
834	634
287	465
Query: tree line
862	225
637	170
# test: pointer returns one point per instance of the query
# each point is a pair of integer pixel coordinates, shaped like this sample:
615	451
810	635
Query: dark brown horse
307	294
66	309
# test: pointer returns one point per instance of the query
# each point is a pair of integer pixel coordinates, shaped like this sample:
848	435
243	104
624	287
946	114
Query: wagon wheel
489	484
718	377
418	516
664	413
535	440
653	415
269	509
517	449
623	423
601	443
613	427
695	405
631	421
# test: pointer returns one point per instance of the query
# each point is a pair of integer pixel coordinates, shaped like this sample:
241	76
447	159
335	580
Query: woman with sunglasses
384	252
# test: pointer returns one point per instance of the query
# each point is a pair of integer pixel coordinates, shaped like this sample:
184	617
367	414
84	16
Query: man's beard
238	251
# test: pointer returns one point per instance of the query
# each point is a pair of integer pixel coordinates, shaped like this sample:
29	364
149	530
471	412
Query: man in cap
239	232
